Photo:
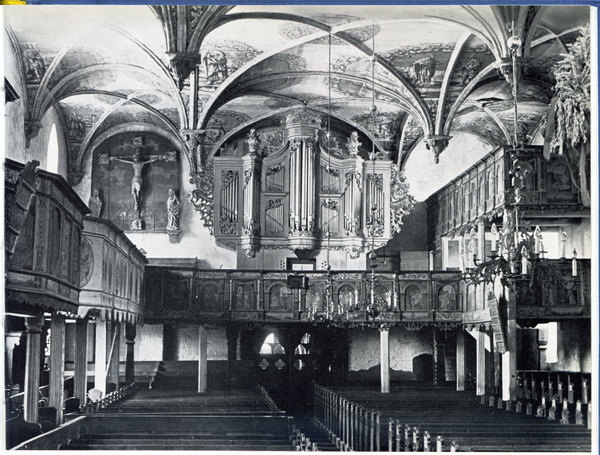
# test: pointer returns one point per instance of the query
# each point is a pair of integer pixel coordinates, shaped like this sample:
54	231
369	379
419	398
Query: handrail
110	398
352	427
43	387
270	402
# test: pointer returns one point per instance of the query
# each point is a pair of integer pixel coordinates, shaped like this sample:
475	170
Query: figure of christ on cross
138	163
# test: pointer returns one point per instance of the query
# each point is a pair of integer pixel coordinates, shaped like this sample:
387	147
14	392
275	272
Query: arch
285	110
271	345
280	298
52	151
447	298
414	299
347	296
244	297
128	128
210	297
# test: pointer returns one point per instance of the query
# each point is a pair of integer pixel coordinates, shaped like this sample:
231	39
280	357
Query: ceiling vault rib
456	52
484	73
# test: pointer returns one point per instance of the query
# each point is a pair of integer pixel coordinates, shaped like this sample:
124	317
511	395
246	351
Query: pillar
232	342
80	379
509	358
130	333
202	360
115	345
384	352
57	365
32	367
100	365
481	240
460	360
480	361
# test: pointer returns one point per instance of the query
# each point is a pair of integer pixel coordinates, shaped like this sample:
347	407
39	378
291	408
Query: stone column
480	361
130	333
232	341
202	359
81	358
460	359
384	352
115	347
57	365
32	367
100	363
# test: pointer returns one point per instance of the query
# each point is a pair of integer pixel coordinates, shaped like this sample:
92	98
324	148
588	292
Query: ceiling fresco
221	70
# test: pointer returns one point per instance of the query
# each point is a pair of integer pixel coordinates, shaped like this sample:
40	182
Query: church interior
300	227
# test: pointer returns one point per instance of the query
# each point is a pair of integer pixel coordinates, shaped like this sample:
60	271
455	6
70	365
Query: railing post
390	434
372	430
339	419
378	431
415	436
397	436
360	428
406	437
352	410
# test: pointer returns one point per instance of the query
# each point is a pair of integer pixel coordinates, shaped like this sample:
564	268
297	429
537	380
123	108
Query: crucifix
138	161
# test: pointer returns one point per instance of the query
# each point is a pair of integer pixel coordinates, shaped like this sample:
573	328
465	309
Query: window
52	156
271	345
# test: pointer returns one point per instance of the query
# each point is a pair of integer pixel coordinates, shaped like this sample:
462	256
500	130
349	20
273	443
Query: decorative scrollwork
401	202
330	204
272	170
202	196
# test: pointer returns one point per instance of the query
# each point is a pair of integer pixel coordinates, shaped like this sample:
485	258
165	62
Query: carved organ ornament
299	197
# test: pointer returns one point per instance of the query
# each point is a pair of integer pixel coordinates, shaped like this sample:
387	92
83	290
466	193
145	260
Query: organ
307	194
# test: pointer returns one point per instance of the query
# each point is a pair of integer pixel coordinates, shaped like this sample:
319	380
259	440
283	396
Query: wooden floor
460	417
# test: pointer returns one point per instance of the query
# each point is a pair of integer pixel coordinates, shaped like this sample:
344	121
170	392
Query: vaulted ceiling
439	70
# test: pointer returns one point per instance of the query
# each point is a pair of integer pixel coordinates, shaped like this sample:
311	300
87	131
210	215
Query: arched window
52	155
271	345
303	349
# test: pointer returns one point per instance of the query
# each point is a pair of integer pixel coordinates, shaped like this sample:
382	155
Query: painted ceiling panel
277	56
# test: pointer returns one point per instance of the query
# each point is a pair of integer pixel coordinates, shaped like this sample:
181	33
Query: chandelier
517	250
370	305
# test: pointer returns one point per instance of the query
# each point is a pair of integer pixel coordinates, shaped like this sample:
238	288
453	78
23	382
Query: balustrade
352	427
110	398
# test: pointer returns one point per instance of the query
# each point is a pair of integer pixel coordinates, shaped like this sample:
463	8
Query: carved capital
75	177
505	68
437	144
182	64
194	140
32	129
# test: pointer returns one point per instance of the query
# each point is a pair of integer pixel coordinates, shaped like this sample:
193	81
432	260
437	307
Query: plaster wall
186	343
425	177
404	347
14	112
574	346
148	343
